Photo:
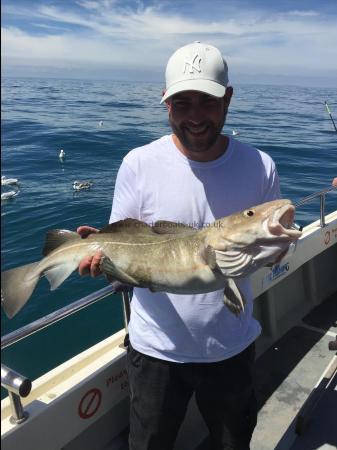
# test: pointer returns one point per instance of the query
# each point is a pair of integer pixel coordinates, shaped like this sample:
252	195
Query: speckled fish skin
167	257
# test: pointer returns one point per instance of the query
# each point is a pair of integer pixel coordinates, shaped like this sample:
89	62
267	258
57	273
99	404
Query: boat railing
62	313
18	385
96	296
321	195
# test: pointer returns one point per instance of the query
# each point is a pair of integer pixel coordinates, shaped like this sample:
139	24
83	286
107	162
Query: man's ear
167	102
228	95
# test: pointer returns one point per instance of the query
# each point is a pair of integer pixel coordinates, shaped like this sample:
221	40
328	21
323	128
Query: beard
195	141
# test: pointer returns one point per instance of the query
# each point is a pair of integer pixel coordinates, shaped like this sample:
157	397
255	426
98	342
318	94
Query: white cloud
97	5
143	37
308	13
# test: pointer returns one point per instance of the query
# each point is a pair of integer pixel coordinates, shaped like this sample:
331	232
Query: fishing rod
329	112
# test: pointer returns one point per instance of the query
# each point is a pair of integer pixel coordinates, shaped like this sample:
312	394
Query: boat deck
295	391
291	390
291	382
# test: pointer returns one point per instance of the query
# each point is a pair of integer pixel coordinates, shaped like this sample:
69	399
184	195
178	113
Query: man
185	344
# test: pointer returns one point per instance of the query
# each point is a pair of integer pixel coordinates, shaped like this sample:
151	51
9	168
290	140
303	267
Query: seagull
80	185
5	181
8	195
100	123
62	154
235	133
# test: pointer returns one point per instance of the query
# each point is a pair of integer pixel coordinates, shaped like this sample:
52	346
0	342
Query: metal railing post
18	386
321	195
322	209
126	309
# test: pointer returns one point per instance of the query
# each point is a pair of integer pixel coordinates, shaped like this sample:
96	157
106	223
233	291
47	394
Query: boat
83	403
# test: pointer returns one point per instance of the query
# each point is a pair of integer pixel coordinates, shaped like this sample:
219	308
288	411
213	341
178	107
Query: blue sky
282	41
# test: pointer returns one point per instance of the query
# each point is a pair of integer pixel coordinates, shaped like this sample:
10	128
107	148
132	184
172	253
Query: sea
97	123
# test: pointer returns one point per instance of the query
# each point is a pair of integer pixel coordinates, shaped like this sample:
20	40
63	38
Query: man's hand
90	264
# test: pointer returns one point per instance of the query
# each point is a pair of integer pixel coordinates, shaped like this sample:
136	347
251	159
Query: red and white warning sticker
90	403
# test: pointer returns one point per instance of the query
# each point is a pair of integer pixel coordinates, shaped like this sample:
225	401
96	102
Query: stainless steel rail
15	382
321	194
18	386
62	313
126	309
76	306
315	195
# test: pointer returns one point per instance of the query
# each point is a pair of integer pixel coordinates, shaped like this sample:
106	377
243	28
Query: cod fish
168	256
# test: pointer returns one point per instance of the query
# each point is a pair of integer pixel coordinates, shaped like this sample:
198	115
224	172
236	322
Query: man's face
197	119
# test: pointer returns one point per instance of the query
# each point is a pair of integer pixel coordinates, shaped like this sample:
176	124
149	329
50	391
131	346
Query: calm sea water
42	116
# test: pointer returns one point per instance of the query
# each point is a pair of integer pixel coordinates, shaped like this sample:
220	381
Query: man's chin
198	144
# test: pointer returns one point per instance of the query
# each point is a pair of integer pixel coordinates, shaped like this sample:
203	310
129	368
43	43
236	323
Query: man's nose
196	114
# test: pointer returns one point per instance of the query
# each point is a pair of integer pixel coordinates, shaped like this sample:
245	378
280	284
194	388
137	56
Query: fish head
270	221
254	237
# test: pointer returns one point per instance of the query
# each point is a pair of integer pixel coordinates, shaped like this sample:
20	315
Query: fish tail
17	285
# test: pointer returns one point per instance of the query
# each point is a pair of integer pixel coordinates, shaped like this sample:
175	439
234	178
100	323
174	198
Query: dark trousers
160	392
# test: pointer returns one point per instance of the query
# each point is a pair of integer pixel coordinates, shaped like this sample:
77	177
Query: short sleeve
272	189
125	202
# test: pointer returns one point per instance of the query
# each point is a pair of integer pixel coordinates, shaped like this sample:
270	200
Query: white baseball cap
196	67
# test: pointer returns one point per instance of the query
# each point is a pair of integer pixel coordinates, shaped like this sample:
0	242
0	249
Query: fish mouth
281	223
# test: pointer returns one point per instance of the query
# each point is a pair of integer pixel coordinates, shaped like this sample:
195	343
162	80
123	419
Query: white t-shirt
157	182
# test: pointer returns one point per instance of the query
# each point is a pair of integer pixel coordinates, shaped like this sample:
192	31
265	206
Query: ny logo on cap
192	64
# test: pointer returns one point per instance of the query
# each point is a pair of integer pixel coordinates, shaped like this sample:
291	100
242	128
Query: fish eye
249	213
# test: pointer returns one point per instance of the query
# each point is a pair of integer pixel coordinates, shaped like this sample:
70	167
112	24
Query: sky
263	41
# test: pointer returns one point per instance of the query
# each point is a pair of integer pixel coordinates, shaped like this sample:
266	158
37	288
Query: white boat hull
83	403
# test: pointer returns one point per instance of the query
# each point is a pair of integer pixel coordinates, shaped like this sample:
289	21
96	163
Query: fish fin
57	274
233	262
17	285
208	255
55	238
168	227
233	298
108	267
120	287
132	225
152	289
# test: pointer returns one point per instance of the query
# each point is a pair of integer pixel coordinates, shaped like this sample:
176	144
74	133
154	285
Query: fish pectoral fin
209	256
55	238
57	274
168	227
233	262
108	267
154	289
233	298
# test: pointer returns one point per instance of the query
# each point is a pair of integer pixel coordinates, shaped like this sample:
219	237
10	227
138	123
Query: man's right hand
90	264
